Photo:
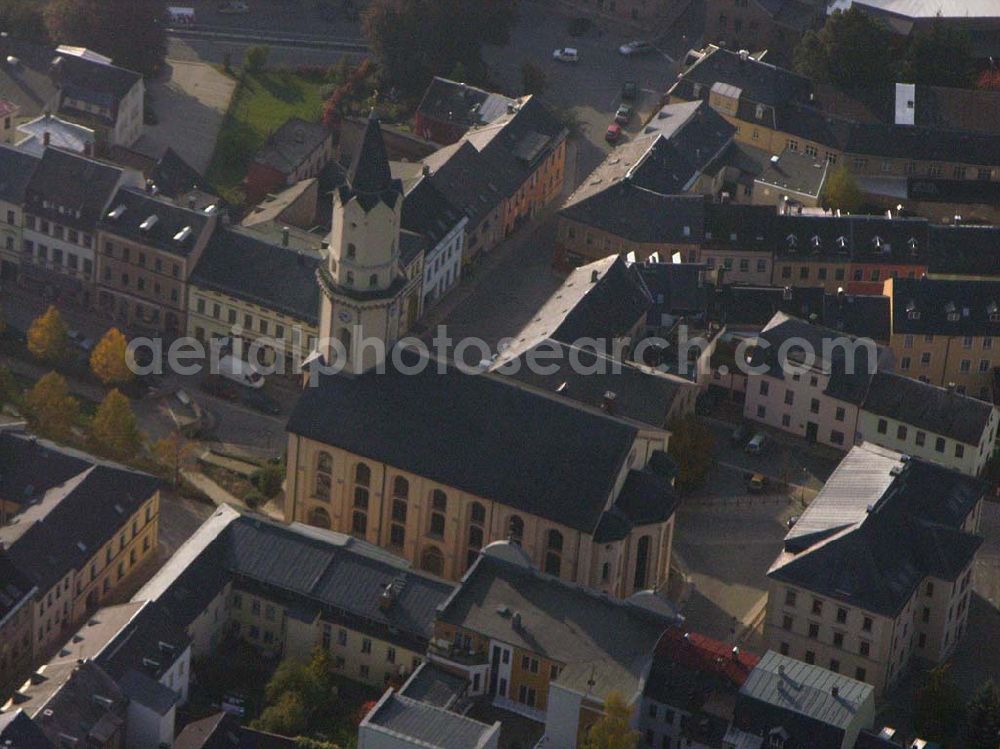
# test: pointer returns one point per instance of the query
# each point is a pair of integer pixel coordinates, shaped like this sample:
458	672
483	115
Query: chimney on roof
835	691
425	170
284	236
594	276
608	401
736	653
515	621
149	187
951	387
387	598
781	669
191	202
744	55
46	138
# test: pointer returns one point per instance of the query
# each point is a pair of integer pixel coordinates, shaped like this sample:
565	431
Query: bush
256	58
268	478
253	499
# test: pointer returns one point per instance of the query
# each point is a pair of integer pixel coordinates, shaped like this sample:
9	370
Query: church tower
362	282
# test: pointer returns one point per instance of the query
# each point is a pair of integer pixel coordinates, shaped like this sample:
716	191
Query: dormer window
877	242
791	240
912	244
816	243
842	245
760	111
993	312
911	310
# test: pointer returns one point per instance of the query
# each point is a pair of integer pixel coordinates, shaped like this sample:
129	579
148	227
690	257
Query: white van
240	371
181	16
756	445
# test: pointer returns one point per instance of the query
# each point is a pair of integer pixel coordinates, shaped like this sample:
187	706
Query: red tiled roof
700	653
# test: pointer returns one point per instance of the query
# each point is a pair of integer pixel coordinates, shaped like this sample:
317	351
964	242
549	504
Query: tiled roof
274	277
861	315
782	692
291	144
426	725
16	168
175	229
428	212
878	527
758	81
369	178
19	731
964	250
421	423
71	189
939	307
595	638
925	406
461	104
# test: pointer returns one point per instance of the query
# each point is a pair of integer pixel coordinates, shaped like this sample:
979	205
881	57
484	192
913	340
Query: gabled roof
925	406
458	173
428	212
783	693
461	104
759	82
146	219
369	177
602	644
938	307
291	144
237	263
964	250
420	724
16	168
77	185
880	525
861	315
174	177
479	434
755	306
19	731
15	587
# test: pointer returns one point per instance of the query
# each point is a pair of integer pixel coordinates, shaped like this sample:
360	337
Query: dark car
220	388
260	401
630	91
623	115
740	434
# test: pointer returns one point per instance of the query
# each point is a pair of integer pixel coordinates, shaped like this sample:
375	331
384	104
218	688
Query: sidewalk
35	372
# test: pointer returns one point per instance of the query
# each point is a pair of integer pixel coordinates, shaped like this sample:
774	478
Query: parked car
261	401
630	91
566	54
614	133
220	388
757	443
756	483
623	115
740	434
636	47
234	6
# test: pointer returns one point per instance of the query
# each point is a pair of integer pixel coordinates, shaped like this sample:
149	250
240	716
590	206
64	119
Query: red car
614	133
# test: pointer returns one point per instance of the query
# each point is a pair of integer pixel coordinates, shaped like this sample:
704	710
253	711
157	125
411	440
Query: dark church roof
369	178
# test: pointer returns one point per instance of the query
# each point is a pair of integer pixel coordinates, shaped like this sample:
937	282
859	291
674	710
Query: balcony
458	656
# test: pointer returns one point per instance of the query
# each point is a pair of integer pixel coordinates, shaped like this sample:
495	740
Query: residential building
980	19
690	694
748	309
84	527
878	568
223	731
929	422
144	654
287	589
449	109
148	248
18	729
256	292
74	704
294	206
295	151
16	608
397	721
761	24
16	169
816	394
785	702
963	253
791	179
428	213
640	11
504	173
737	242
47	130
64	200
544	648
8	113
861	315
943	332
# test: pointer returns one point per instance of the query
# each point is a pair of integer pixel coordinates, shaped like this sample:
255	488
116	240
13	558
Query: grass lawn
263	102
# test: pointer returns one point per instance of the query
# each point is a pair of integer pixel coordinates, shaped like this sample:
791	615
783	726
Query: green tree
51	410
24	18
612	731
256	58
982	718
10	392
937	705
929	47
108	361
286	717
691	444
47	337
312	684
268	478
414	40
841	192
133	33
851	50
533	78
114	429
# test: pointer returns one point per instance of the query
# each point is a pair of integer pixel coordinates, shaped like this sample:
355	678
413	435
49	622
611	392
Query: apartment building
296	151
64	200
760	25
16	168
964	253
690	694
943	332
287	589
256	292
544	648
428	213
84	527
148	247
877	570
398	721
929	422
449	108
15	625
737	241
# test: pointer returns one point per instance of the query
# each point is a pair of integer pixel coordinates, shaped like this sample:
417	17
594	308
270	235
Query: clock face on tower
344	316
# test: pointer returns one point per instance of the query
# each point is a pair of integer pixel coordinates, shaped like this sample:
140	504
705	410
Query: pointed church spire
370	178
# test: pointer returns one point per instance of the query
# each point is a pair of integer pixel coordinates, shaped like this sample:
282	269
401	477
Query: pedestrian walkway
220	496
240	467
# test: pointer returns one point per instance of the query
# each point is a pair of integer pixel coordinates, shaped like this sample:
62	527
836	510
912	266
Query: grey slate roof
879	526
925	406
433	685
78	185
16	168
459	175
146	691
758	81
369	177
862	315
237	263
174	177
478	434
19	731
171	220
223	731
291	144
594	637
318	571
29	467
797	172
964	250
459	103
691	134
786	693
675	289
15	587
755	306
744	227
426	211
426	725
638	215
930	299
63	529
